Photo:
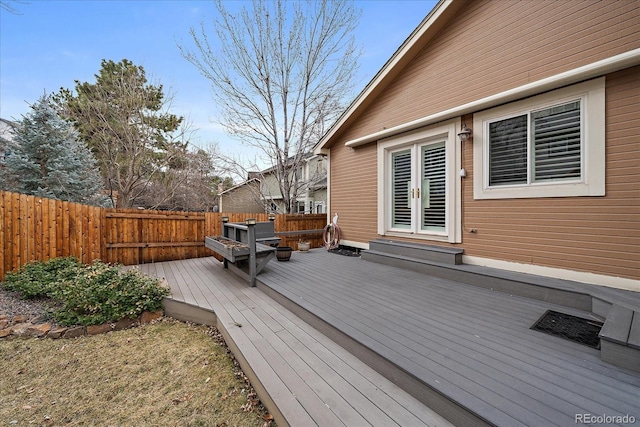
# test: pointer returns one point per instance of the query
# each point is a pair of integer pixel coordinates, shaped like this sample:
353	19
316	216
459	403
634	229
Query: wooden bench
248	246
620	338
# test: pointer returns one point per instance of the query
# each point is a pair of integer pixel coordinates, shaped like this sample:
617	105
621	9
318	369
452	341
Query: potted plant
304	245
283	253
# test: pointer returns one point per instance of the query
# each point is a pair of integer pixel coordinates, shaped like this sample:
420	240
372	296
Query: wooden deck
303	377
470	344
465	351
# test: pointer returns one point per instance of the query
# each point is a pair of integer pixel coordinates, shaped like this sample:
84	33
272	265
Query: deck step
620	335
417	251
620	338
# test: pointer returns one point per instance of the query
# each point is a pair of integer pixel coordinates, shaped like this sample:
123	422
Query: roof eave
429	26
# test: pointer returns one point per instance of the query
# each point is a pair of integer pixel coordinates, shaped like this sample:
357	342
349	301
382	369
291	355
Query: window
544	145
419	183
550	145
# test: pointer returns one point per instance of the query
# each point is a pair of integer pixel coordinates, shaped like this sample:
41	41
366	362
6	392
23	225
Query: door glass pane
401	189
433	187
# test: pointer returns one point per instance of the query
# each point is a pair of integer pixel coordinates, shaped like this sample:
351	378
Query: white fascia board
408	44
596	69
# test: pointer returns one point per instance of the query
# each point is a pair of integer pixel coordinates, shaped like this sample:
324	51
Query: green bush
88	295
42	279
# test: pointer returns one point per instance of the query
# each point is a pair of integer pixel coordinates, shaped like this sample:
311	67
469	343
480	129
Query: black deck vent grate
345	251
572	328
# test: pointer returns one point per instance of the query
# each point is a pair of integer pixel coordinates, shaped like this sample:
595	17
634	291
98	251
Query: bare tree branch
9	7
281	73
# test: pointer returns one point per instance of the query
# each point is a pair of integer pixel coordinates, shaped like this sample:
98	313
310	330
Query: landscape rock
19	329
19	318
26	318
125	324
38	330
57	332
75	332
99	329
148	316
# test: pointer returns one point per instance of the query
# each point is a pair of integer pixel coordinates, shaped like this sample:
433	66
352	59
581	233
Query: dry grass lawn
164	374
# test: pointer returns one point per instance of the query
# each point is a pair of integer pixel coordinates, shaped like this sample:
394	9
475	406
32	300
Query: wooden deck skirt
466	352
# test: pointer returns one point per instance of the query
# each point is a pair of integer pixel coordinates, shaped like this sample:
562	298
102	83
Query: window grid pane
508	151
557	142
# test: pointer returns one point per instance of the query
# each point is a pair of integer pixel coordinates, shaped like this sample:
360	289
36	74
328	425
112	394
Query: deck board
472	343
309	378
359	376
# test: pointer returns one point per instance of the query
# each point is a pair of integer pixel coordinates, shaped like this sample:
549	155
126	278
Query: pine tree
49	160
124	120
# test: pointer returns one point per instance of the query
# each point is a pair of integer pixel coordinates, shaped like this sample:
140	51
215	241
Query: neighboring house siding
270	189
490	47
241	199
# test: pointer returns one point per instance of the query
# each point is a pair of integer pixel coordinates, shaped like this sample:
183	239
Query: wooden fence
34	228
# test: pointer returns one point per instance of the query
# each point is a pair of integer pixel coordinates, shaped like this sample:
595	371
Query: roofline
305	157
243	183
407	47
576	75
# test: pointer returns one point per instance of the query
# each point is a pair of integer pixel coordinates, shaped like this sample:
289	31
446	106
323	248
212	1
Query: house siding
242	199
590	234
486	49
353	191
489	48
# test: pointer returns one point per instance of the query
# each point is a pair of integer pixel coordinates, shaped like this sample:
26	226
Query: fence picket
34	228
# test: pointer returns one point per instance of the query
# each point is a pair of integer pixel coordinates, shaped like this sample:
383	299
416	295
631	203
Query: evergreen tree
125	122
49	160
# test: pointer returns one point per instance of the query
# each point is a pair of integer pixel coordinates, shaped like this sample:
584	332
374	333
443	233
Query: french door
419	188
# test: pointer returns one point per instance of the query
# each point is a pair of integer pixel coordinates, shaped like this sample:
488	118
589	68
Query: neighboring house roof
242	184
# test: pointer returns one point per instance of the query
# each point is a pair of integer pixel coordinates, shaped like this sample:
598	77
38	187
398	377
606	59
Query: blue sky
51	43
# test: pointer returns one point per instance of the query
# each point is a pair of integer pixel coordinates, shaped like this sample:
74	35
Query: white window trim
446	130
592	182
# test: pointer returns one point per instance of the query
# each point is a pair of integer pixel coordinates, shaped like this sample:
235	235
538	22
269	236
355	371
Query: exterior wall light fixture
464	133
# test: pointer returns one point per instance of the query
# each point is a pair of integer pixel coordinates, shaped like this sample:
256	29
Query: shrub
41	279
105	293
89	295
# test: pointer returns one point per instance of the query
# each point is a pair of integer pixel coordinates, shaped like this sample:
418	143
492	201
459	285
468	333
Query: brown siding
593	234
353	193
493	46
488	48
